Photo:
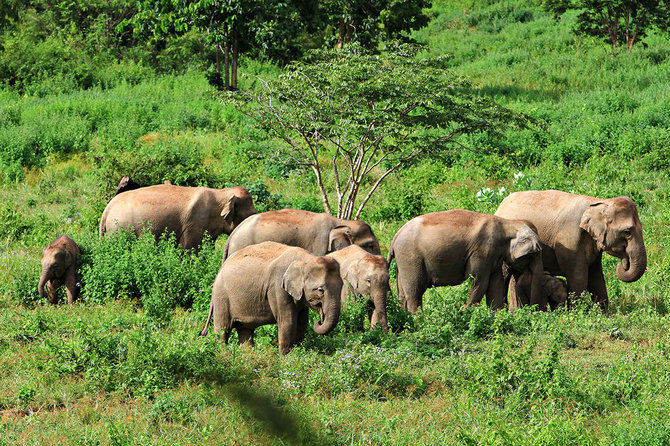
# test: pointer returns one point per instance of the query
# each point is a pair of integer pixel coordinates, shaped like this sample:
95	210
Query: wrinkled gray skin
445	248
318	233
554	290
366	275
576	229
273	283
59	264
186	211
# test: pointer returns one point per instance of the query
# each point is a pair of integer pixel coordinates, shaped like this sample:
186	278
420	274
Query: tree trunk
233	68
342	34
226	62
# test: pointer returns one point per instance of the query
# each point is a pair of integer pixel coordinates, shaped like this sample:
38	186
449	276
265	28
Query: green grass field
125	364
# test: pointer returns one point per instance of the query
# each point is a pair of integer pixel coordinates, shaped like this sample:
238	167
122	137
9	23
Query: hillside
125	365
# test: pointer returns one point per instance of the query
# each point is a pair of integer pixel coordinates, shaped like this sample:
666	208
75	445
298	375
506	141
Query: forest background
92	91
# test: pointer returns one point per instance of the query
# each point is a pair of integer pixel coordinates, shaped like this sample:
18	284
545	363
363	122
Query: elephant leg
71	285
286	330
597	286
496	295
52	291
576	274
245	336
412	283
190	239
480	281
301	327
225	334
514	301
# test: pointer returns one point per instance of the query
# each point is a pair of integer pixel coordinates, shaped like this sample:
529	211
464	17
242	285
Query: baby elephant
367	275
554	289
59	262
272	283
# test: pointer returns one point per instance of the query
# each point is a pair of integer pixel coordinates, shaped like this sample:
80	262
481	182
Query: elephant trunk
379	312
633	264
537	296
40	286
330	315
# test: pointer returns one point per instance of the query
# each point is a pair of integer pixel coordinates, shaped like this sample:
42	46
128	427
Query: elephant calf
554	290
445	248
367	275
59	263
274	283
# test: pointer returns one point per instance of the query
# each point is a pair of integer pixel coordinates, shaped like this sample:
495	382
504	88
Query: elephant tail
209	318
103	224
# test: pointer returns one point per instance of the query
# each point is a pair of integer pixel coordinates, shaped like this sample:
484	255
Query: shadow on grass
288	427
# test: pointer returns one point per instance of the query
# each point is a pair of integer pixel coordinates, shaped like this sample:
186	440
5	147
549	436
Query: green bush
138	362
157	272
155	161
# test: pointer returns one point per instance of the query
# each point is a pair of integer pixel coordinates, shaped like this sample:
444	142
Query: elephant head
54	264
525	254
318	285
616	229
237	208
354	232
370	277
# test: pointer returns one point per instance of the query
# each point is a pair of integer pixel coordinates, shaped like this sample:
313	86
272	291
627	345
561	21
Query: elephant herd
279	264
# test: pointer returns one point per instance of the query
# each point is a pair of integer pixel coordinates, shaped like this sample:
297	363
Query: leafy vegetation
125	365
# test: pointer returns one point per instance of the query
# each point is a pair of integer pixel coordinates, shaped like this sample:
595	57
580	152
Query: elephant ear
351	276
339	238
293	281
525	242
228	212
594	221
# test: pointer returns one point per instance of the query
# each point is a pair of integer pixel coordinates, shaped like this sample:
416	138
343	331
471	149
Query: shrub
140	362
157	272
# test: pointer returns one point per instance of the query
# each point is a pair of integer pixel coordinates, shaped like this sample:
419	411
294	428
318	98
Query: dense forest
471	99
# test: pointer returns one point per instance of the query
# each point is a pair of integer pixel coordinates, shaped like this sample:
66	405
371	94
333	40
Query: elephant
318	233
366	275
445	248
576	229
272	283
186	211
59	265
125	185
554	290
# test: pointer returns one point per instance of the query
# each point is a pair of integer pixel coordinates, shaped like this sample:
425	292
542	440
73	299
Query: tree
368	21
355	119
229	26
617	21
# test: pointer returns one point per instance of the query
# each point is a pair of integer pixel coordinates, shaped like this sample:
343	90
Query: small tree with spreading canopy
617	21
354	118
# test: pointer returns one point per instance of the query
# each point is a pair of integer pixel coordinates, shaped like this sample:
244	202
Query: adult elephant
274	283
318	233
445	248
576	229
186	211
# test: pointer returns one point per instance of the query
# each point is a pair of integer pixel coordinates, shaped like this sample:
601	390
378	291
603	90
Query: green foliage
615	22
352	89
136	362
155	161
121	265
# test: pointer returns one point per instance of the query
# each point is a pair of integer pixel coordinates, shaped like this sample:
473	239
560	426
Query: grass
105	371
